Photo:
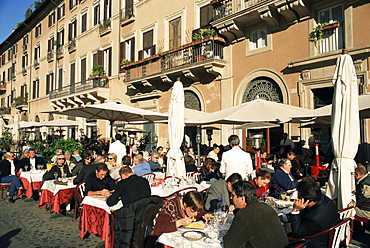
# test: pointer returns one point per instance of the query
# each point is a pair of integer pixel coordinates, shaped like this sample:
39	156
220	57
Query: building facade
226	52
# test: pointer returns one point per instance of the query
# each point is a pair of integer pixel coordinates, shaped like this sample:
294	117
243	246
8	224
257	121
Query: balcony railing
104	27
127	15
332	39
227	7
202	50
79	87
5	111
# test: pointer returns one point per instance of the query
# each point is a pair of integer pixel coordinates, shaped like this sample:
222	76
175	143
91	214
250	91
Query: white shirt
12	167
236	161
119	149
33	163
287	142
213	155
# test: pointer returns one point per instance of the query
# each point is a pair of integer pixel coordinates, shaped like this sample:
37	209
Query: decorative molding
305	75
299	7
265	15
166	79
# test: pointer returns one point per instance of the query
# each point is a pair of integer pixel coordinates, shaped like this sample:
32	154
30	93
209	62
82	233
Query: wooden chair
79	192
150	177
3	186
335	234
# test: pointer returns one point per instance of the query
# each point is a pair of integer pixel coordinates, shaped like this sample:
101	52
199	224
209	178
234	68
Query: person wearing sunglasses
86	160
60	167
154	164
113	166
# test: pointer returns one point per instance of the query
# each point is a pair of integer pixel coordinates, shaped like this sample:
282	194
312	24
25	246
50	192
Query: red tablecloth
29	187
55	201
97	221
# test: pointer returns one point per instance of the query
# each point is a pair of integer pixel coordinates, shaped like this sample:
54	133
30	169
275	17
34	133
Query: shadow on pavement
5	239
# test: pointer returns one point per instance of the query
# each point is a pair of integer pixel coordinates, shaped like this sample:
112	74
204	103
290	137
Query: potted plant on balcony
318	31
125	62
72	45
97	72
20	100
2	85
4	110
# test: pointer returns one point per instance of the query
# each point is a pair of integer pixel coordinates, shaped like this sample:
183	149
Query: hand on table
300	204
184	221
206	217
105	192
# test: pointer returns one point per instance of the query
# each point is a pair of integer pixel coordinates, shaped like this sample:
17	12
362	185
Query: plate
193	235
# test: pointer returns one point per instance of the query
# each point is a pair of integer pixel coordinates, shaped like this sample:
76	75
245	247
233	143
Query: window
72	74
83	22
258	39
25	42
148	47
9	73
38	31
60	37
175	33
10	54
35	89
83	70
96	14
129	8
206	16
24	61
49	83
107	9
37	54
72	4
14	72
127	49
72	30
3	59
108	61
61	12
332	39
51	19
51	45
60	78
23	90
10	101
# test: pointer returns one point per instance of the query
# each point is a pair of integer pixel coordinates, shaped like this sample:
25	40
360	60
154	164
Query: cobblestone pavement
23	224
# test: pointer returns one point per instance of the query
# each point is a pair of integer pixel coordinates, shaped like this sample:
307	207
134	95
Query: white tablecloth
167	191
49	185
101	203
33	176
175	239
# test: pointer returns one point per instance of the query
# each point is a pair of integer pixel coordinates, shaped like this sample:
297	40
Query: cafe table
31	180
56	194
166	191
97	218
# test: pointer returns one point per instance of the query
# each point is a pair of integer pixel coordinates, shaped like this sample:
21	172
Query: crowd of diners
118	177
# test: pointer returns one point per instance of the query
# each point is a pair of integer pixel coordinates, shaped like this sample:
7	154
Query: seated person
34	160
214	153
61	168
20	165
262	179
256	224
298	169
209	170
86	160
57	152
283	180
141	167
221	190
312	213
178	212
153	162
126	161
99	182
113	166
190	163
8	174
362	191
70	160
130	188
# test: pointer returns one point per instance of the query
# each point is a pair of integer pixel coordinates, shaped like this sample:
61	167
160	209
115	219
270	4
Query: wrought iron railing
79	87
227	7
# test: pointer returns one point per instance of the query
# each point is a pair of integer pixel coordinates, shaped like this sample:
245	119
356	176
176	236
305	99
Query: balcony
127	16
94	90
20	103
104	27
199	61
5	111
332	38
231	17
50	56
72	45
2	87
59	53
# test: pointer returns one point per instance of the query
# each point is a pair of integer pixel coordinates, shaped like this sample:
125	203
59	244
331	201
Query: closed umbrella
175	158
345	131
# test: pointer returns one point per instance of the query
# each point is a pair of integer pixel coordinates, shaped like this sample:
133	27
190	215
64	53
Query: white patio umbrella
257	125
60	123
175	158
112	112
345	131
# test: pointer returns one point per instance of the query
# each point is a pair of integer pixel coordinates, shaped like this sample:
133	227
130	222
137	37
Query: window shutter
51	78
122	51
153	48
47	84
60	78
133	49
84	26
110	62
95	59
70	31
83	70
72	79
140	55
206	15
147	39
34	89
100	59
75	29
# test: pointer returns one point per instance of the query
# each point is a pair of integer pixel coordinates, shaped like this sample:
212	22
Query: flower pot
331	26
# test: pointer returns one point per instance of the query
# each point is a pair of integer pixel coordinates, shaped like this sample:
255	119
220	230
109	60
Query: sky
12	12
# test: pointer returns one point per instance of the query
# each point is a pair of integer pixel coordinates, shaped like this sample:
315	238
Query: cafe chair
172	180
3	186
361	220
150	177
298	243
79	192
337	235
193	174
180	192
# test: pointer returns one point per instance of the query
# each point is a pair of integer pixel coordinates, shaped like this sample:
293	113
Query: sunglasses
61	158
89	158
156	157
110	158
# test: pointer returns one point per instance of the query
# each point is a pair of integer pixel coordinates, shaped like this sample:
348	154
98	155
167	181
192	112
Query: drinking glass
25	167
56	175
283	195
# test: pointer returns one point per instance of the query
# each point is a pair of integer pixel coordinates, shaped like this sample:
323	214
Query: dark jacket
360	198
49	175
84	173
39	160
282	181
258	226
4	168
21	163
77	169
315	219
128	219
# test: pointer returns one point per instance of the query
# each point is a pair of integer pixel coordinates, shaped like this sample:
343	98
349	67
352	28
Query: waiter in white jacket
118	148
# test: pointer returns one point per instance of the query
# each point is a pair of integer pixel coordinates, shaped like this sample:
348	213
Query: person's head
235	177
100	158
234	140
155	157
112	158
138	159
189	160
101	171
191	150
125	172
9	155
290	155
360	171
118	136
263	177
76	152
126	160
285	135
59	151
216	148
160	149
87	157
26	153
209	163
286	164
67	155
32	153
192	203
309	190
263	153
60	160
243	193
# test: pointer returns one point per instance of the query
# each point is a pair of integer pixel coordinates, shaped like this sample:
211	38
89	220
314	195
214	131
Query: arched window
265	88
37	118
192	101
50	117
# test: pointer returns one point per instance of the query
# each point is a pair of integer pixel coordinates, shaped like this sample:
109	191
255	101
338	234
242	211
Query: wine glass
283	195
56	175
25	167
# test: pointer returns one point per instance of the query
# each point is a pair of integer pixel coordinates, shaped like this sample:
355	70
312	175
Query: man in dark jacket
34	161
99	182
362	192
312	213
8	174
256	224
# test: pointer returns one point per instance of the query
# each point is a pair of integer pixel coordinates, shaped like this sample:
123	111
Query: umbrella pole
111	131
